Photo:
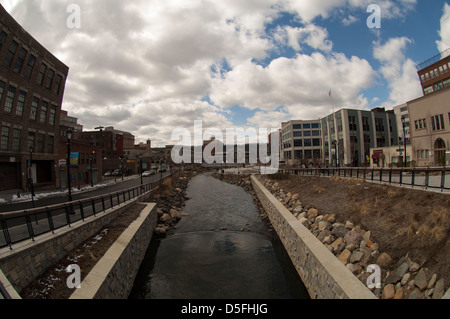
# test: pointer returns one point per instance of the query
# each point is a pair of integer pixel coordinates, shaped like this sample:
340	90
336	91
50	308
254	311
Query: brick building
32	83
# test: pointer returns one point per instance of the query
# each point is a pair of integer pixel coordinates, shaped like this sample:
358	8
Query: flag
329	93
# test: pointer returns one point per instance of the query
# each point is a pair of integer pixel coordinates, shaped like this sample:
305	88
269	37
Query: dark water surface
222	250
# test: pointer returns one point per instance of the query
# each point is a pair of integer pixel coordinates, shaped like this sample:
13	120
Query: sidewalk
11	196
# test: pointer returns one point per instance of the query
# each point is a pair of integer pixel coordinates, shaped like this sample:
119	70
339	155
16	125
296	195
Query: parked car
148	173
116	172
108	173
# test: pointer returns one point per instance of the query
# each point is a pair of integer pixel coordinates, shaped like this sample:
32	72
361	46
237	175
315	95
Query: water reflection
197	263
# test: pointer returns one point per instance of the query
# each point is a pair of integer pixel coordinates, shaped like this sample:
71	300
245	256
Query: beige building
430	128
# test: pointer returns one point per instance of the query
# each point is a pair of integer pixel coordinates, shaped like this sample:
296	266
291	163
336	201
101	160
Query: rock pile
356	249
170	207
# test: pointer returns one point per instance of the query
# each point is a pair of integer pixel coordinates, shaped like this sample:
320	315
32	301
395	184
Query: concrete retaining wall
113	276
323	274
28	260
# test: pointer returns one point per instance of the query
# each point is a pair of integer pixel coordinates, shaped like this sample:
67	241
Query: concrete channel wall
113	275
324	276
29	259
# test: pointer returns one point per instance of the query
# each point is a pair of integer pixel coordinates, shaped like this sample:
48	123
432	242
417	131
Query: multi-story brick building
434	74
32	83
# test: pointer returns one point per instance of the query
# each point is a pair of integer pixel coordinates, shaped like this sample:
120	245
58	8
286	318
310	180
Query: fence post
390	176
427	177
443	179
6	233
413	177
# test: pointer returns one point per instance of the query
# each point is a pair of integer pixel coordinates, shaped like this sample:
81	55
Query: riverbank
403	231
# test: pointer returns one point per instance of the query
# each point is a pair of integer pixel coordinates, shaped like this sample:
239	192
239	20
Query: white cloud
314	36
444	33
399	72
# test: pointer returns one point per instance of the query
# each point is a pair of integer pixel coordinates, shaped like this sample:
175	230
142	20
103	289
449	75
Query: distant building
434	73
348	136
32	83
70	121
301	142
430	131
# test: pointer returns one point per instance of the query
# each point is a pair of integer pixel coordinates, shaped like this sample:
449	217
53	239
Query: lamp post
334	143
140	162
69	137
121	166
91	159
404	139
30	175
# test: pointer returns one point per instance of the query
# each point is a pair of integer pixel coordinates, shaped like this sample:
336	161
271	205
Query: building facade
301	143
434	74
430	128
32	83
348	136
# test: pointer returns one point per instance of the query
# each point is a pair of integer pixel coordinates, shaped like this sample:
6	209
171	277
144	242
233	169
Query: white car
148	173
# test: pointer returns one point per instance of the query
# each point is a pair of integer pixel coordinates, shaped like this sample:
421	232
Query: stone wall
29	259
323	274
113	276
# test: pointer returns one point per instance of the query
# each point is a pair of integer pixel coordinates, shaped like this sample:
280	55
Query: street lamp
69	137
334	144
30	175
121	166
140	161
91	158
404	138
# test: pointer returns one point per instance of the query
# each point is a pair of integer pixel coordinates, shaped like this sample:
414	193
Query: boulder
384	260
356	256
345	256
439	289
421	279
165	217
339	231
388	292
323	225
353	237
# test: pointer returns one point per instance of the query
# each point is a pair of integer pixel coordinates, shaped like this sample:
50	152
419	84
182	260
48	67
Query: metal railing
27	224
433	178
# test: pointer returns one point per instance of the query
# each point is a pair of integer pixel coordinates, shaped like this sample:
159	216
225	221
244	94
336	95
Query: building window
16	139
41	143
316	142
21	103
29	67
438	86
52	115
5	138
422	78
446	83
437	122
306	126
432	74
298	143
50	75
51	143
58	84
315	133
10	54
298	133
34	108
31	138
44	107
315	125
428	89
427	76
445	68
10	99
20	60
366	126
308	142
3	36
297	126
41	74
2	88
307	133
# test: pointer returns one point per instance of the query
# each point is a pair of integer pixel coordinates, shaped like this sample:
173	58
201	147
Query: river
222	250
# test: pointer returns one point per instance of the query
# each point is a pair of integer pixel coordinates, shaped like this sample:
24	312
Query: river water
222	250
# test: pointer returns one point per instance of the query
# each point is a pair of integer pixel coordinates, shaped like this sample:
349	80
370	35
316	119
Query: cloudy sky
150	66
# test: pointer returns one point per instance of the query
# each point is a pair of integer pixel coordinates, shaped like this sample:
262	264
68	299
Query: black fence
27	224
434	178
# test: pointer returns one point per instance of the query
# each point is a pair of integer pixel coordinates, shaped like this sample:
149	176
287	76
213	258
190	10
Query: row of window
443	69
46	111
437	86
303	143
437	123
303	154
37	142
24	66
